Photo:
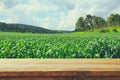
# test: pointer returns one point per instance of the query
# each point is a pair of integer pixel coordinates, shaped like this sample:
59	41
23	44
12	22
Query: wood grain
60	65
60	69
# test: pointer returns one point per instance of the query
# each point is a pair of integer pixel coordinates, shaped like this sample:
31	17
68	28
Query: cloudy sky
54	14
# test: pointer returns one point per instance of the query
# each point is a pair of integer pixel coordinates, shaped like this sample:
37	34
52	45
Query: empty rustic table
60	69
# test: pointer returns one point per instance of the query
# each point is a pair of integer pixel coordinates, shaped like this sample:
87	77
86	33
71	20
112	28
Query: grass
108	28
69	45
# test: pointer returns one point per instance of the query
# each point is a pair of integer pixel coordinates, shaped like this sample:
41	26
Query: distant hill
26	28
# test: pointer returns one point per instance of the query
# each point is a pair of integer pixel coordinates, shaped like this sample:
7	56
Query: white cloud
116	10
43	22
10	3
67	22
84	7
55	14
35	6
47	22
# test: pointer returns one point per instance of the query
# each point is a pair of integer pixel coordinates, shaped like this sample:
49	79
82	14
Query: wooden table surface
60	69
8	65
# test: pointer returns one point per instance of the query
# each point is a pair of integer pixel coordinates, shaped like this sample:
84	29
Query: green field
69	45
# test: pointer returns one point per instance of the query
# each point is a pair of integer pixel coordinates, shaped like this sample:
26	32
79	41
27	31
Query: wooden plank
101	78
60	69
36	78
49	78
59	65
62	74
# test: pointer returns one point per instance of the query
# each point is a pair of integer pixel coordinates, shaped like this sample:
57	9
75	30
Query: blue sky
54	14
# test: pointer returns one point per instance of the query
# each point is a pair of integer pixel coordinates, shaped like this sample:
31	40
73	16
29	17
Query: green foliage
80	24
113	20
115	30
94	22
72	45
90	23
26	28
104	30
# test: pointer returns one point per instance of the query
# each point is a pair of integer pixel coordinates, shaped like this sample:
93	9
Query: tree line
22	28
26	28
94	22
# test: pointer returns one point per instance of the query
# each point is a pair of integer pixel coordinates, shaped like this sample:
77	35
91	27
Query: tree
95	22
90	23
117	20
101	22
89	19
80	24
87	25
113	20
3	26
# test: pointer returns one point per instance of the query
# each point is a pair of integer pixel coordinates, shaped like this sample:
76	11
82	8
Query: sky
54	14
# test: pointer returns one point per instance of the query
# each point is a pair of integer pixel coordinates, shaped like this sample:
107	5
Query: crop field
69	45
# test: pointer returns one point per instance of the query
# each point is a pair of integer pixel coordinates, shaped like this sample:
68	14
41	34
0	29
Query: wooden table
60	69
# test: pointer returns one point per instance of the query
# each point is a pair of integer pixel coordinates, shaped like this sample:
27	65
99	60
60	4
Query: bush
104	31
115	30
